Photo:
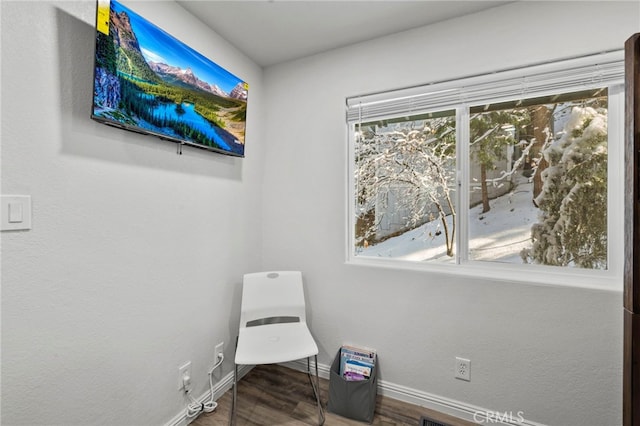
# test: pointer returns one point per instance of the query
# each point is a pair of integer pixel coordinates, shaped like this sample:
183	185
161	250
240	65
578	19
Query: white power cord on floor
194	409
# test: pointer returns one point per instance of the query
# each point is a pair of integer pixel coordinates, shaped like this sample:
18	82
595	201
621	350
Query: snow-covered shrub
572	227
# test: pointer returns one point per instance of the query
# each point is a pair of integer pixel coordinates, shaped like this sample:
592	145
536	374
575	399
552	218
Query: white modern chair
273	327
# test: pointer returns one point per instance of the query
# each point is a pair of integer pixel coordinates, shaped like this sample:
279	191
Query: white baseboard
444	405
441	404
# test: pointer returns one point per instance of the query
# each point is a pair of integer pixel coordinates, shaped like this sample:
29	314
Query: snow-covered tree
542	134
414	161
572	227
489	138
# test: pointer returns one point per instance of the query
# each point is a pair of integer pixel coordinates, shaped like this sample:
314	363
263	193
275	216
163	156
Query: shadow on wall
82	136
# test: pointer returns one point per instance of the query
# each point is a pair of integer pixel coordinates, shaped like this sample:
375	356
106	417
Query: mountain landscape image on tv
147	81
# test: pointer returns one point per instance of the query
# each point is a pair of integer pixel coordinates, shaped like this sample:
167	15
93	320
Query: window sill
520	274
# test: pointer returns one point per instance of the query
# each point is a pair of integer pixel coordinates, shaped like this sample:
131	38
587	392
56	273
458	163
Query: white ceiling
275	31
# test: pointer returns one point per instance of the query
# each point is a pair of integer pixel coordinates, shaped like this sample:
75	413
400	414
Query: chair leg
316	388
232	420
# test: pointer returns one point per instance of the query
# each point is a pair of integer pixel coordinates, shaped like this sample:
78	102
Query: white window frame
599	70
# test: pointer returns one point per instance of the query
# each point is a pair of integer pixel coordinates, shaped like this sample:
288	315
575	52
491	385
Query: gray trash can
352	399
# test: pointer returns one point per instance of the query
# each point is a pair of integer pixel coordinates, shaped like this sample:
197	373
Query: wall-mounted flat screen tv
147	81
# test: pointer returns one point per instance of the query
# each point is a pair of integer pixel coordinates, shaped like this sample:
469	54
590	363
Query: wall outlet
219	351
184	376
463	369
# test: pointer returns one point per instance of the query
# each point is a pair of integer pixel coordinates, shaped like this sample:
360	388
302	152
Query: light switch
16	212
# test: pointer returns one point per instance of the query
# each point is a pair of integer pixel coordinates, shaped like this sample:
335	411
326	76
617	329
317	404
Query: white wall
132	263
554	353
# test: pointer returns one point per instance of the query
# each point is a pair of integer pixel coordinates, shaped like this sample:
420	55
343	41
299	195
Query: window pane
538	190
405	187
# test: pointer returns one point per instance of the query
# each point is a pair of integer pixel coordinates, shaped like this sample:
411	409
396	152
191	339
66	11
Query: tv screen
147	81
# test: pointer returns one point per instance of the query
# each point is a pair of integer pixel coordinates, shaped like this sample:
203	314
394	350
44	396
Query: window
405	184
519	170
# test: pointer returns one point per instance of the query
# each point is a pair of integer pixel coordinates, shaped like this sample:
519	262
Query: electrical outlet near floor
463	369
184	375
219	351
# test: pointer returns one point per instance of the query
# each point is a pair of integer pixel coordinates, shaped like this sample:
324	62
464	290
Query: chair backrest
277	294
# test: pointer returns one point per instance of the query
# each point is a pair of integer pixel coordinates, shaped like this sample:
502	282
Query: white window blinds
582	73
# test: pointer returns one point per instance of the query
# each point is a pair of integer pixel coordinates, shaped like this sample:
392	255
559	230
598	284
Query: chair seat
274	343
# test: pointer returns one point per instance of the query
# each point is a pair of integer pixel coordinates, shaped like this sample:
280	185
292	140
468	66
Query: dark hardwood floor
275	395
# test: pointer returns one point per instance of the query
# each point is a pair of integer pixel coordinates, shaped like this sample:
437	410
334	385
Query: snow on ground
498	235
